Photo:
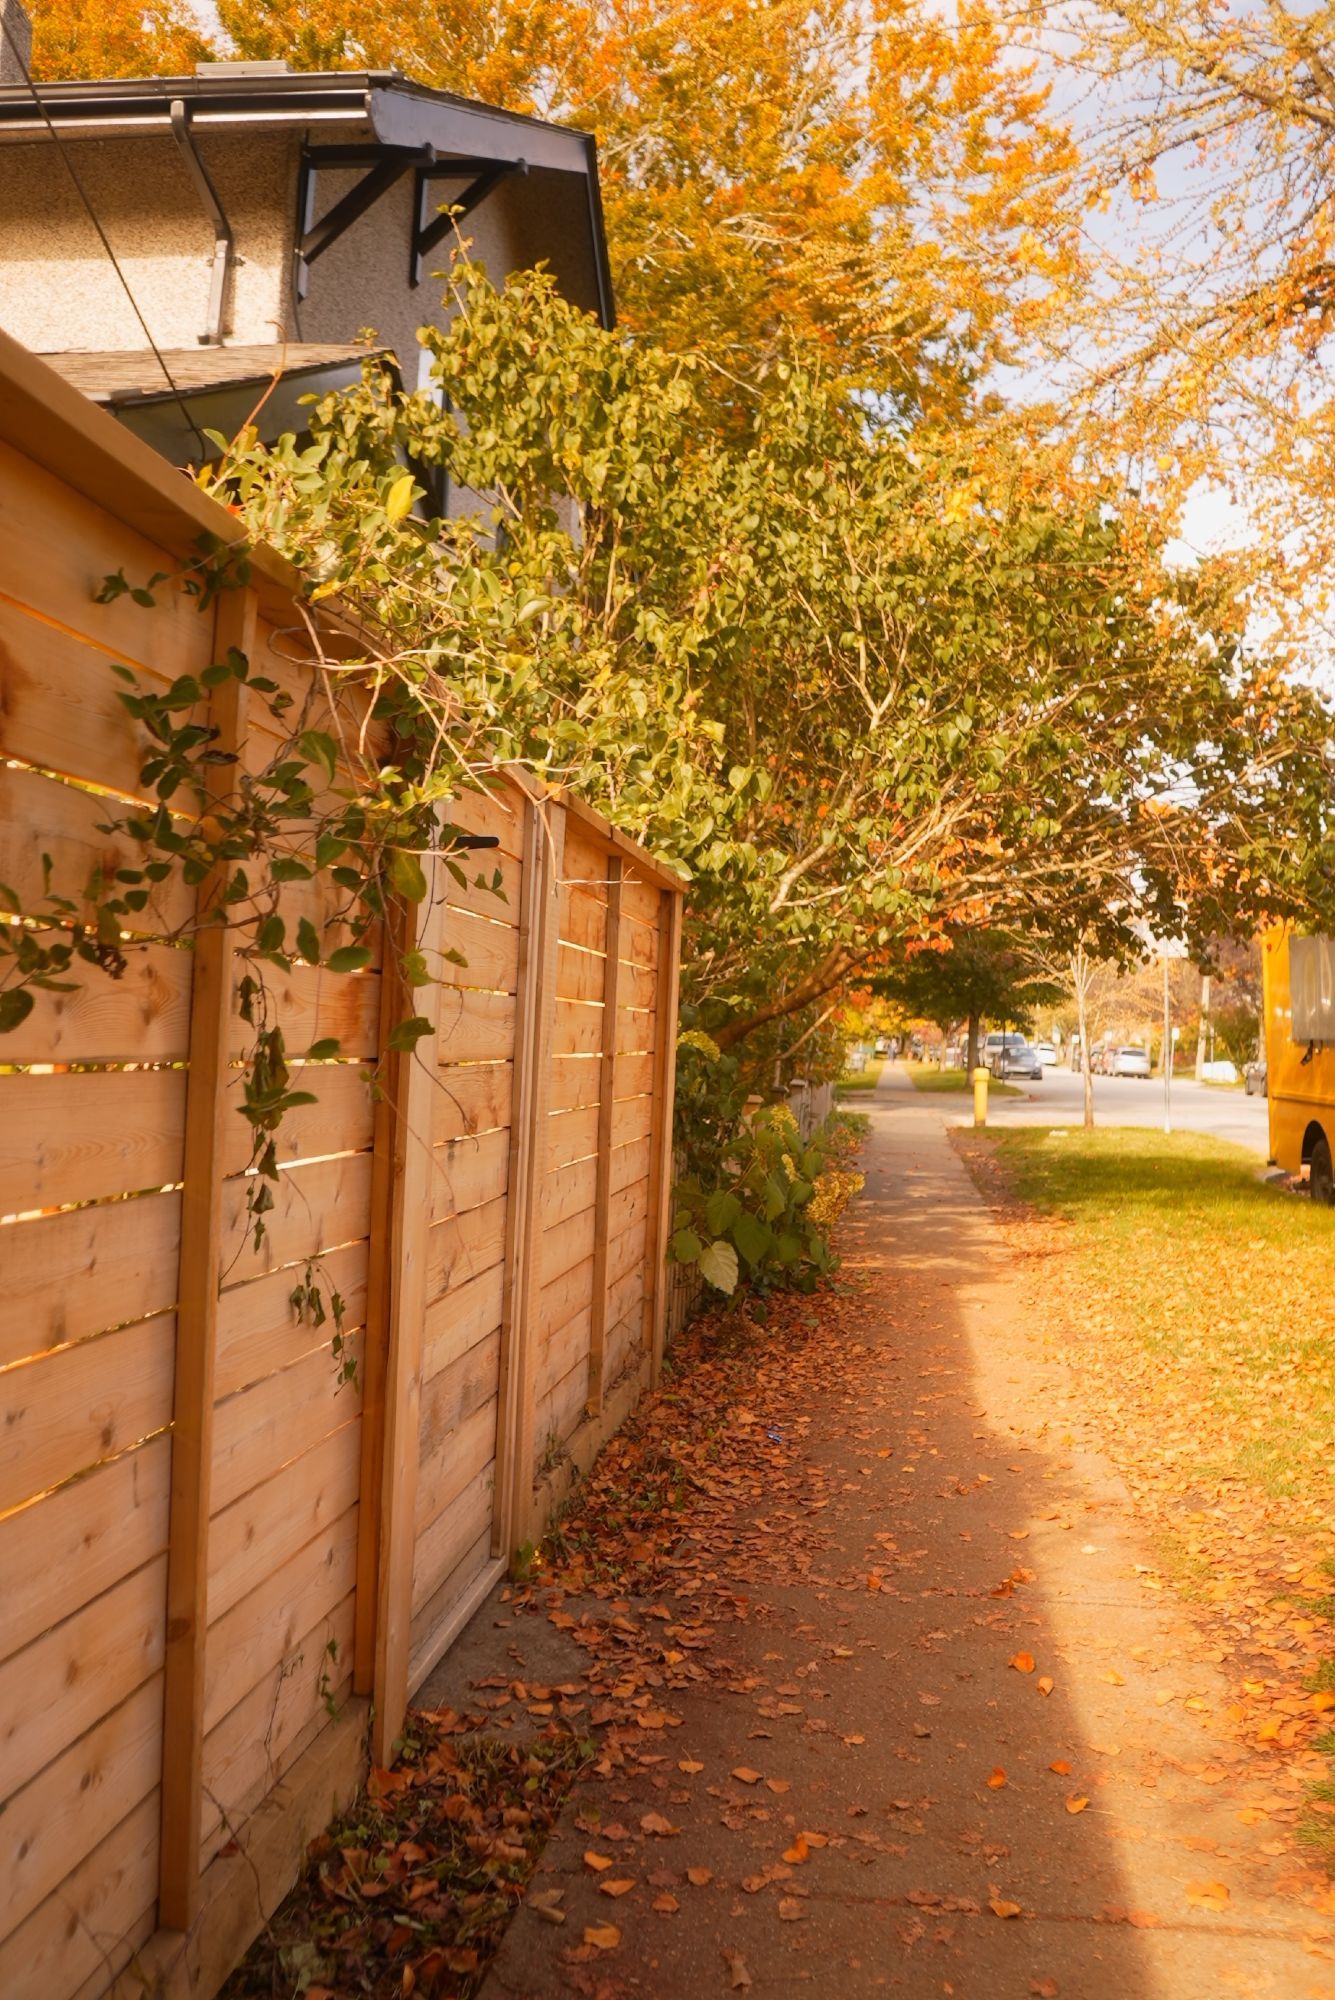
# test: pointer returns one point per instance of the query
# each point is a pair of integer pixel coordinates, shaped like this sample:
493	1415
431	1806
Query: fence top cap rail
56	426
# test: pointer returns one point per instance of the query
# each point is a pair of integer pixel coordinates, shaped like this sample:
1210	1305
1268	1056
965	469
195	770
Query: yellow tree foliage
103	38
871	178
1202	348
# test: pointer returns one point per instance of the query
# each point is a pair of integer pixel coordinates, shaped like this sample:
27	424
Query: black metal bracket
384	164
430	227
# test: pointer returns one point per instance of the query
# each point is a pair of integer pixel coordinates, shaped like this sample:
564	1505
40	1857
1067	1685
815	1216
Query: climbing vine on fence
301	858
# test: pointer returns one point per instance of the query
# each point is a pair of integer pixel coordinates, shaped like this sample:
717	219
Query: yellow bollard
980	1097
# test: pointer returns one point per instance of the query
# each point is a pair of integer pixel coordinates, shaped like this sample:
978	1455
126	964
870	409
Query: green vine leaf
405	1037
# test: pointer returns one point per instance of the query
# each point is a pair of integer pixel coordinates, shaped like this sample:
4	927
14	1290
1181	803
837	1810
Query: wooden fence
221	1570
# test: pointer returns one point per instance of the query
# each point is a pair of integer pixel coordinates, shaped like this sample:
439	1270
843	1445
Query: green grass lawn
926	1076
866	1079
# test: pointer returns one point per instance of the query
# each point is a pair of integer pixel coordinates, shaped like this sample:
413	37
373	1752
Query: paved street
1123	1100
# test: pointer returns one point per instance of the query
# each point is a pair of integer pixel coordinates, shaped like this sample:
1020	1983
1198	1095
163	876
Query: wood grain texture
74	1408
660	1137
69	1276
70	1138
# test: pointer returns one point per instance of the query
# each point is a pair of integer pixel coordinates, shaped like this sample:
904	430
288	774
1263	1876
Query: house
264	219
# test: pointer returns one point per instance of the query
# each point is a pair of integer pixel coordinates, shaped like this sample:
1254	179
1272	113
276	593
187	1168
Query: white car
1047	1055
1129	1062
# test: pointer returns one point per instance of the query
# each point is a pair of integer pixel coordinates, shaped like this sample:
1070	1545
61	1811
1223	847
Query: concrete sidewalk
966	1533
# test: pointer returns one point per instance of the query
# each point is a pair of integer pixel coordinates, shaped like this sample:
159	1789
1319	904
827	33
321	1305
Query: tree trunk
971	1056
1204	1028
1080	980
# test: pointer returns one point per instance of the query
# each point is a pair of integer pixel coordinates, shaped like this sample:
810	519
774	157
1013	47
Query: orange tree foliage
96	38
876	182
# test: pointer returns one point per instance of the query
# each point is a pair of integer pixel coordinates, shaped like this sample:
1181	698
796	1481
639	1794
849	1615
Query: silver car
1129	1062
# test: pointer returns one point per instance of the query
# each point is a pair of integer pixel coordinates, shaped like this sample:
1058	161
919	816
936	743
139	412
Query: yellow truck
1299	998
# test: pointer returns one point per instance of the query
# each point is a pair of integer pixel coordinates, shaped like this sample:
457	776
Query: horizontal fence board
476	892
575	1082
58	548
318	1205
641	902
490	951
340	1121
564	1245
586	863
639	987
625	1264
311	1004
470	1098
630	1163
70	1410
65	1550
277	1419
42	816
68	1138
566	1190
74	1674
580	974
583	921
262	1629
469	1172
463	1524
257	1534
259	1331
67	1275
442	1480
454	1321
75	1802
577	1029
635	1032
571	1135
144	1016
498	814
446	1600
475	1027
564	1294
94	1920
246	1755
464	1246
453	1395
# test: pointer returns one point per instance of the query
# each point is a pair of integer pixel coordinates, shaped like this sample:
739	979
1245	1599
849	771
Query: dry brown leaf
1045	1988
777	1785
654	1823
791	1909
596	1861
746	1776
1046	1684
603	1937
698	1877
689	1766
1075	1803
738	1976
618	1885
666	1904
1000	1908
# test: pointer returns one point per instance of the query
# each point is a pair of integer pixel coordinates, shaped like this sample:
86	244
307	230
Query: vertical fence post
196	1341
660	1140
411	1085
535	1014
602	1194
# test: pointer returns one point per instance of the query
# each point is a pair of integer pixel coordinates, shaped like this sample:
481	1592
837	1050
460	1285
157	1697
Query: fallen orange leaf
620	1885
798	1852
997	1779
666	1905
698	1877
603	1937
1061	1767
1208	1895
689	1766
596	1861
1023	1663
1046	1684
745	1776
1076	1803
1000	1908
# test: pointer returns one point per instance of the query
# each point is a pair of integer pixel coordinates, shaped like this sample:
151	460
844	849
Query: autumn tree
870	180
1200	348
97	38
969	975
852	689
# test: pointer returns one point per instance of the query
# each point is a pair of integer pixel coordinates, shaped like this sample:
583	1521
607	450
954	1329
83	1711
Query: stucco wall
58	290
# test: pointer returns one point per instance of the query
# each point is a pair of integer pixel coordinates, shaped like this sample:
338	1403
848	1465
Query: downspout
224	249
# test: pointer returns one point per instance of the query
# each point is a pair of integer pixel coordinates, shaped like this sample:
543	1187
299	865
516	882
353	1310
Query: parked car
1129	1062
1254	1079
1016	1058
993	1044
1047	1055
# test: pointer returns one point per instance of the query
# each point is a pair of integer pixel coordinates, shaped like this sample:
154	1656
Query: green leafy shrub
754	1204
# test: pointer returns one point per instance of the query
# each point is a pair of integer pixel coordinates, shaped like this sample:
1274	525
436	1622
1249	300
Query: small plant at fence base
756	1203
